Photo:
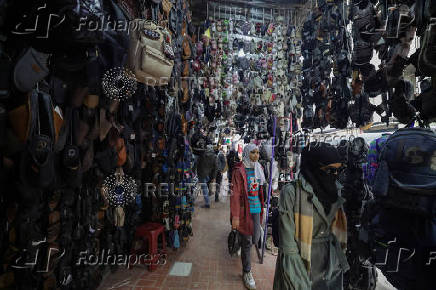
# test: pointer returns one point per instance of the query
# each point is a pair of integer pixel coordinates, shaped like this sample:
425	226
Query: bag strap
93	69
155	13
69	127
421	122
34	113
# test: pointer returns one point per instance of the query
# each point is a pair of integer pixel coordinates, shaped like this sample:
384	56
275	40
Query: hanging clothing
309	233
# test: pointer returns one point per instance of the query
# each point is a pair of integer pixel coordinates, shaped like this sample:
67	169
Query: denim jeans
247	241
205	189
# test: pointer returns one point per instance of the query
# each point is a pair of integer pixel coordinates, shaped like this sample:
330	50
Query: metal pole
269	190
290	148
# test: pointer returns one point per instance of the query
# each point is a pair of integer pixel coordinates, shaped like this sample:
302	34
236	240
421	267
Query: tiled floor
212	267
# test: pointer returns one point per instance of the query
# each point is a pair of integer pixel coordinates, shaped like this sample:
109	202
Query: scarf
258	170
313	157
303	218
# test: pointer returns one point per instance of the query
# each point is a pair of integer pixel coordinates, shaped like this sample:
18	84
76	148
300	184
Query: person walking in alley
312	225
206	171
246	206
221	169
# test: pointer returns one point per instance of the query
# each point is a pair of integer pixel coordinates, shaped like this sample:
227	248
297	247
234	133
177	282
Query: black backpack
406	177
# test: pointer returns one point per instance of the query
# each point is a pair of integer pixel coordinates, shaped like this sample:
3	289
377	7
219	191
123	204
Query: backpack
406	177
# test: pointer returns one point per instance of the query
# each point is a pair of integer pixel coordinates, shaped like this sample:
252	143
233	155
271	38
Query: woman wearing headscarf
312	225
246	206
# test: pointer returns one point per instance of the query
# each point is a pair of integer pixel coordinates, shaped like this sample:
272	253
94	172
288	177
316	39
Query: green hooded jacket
328	260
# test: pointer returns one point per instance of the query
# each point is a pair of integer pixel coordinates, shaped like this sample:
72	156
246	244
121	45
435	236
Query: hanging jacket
370	168
321	236
239	205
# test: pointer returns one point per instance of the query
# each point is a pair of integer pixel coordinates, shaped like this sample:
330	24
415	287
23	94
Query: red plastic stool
150	232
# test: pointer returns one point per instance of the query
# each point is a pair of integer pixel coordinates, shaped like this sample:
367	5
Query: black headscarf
313	157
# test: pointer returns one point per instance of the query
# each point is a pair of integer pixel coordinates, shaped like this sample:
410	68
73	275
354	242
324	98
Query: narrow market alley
212	266
206	253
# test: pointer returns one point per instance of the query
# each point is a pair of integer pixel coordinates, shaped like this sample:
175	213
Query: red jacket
239	206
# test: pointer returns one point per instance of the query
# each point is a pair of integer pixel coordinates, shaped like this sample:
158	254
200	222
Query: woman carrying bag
246	206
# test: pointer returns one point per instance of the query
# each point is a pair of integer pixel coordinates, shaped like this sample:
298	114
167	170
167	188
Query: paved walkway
212	267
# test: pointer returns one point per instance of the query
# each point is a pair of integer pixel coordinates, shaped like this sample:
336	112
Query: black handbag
233	242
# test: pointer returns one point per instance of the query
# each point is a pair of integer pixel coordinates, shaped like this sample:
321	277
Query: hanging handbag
186	69
166	7
31	68
150	54
129	8
187	48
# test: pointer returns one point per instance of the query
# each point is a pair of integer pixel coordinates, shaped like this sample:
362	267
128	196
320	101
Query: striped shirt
253	191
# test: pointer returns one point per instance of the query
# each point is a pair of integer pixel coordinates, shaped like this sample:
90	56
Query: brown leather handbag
151	56
129	7
91	101
187	52
185	91
121	151
166	7
186	70
20	121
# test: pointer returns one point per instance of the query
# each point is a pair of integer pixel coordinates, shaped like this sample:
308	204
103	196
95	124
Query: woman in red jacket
246	206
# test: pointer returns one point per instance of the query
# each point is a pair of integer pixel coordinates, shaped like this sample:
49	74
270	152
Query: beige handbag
150	53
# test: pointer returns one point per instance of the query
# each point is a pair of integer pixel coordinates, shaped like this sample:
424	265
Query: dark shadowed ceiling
254	9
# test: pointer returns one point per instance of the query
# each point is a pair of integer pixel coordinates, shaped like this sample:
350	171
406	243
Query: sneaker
249	281
205	206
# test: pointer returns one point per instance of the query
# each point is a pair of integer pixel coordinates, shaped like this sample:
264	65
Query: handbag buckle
168	51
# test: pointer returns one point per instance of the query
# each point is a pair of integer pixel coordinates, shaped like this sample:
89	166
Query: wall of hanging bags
248	67
89	119
343	38
326	66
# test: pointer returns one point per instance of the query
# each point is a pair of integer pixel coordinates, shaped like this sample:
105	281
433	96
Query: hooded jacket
301	212
239	206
